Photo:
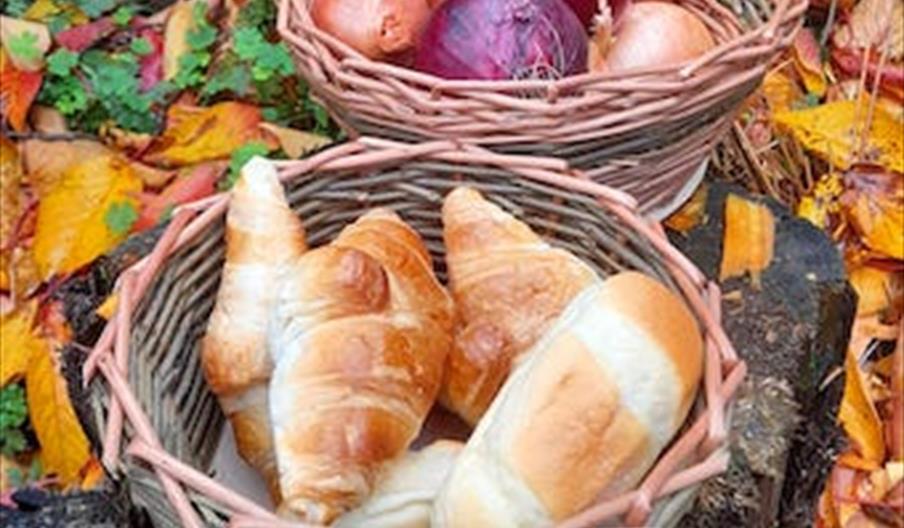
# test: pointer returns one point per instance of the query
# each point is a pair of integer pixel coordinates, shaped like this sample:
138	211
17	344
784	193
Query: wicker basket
153	392
644	132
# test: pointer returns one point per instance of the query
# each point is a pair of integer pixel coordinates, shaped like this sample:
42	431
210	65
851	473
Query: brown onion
378	29
649	34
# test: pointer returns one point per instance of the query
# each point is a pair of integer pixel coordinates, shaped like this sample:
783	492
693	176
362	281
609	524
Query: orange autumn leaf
18	89
806	54
748	240
691	213
108	308
857	412
64	446
875	288
295	143
175	36
17	342
10	200
73	226
194	134
873	203
780	91
832	131
92	474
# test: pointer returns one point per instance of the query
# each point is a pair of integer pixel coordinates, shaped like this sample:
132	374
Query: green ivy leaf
24	45
13	412
123	15
61	62
240	157
17	8
95	8
120	217
141	46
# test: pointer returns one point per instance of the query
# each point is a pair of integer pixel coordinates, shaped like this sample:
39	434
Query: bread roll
362	330
508	285
404	493
585	416
262	237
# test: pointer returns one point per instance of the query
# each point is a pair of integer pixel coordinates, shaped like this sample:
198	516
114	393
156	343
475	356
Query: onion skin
378	29
503	39
649	35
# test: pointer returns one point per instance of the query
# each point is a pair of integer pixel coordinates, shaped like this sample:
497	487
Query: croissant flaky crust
362	330
263	236
585	415
508	285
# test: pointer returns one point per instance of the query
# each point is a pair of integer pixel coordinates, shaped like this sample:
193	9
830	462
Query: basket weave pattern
152	389
644	132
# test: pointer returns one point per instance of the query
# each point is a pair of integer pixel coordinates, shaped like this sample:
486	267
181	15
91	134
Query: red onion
503	39
649	34
379	29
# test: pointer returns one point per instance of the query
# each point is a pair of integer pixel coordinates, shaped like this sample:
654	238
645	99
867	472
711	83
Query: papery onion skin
585	10
650	34
378	29
503	39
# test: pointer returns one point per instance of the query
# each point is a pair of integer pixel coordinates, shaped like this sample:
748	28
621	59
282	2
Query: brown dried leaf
874	24
873	203
295	143
807	62
691	213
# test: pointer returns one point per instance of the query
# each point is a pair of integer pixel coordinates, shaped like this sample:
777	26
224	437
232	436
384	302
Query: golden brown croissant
362	331
585	415
508	286
262	237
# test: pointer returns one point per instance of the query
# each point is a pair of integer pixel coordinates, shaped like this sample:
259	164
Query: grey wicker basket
153	392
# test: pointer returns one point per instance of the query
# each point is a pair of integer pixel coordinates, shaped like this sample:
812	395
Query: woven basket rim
707	431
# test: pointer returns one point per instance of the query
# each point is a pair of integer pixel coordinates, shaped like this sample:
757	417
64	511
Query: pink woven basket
154	404
645	132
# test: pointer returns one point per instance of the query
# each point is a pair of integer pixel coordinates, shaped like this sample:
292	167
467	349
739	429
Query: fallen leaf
127	141
806	54
296	143
18	88
19	272
45	10
64	446
18	342
896	436
25	42
81	37
197	182
857	413
874	287
780	91
194	134
749	238
151	64
850	62
48	120
10	199
92	474
108	308
71	229
873	203
175	36
873	24
832	132
691	213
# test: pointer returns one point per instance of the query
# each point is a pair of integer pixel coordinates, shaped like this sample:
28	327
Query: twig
830	21
873	97
48	136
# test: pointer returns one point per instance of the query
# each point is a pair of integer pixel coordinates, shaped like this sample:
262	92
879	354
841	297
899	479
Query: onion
503	39
587	10
378	29
649	34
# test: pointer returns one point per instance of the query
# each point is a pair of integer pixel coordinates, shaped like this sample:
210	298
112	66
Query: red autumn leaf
18	89
151	65
80	38
892	75
197	183
807	62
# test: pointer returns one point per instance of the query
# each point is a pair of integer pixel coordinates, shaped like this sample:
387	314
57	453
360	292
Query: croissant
508	285
262	237
362	330
585	415
405	490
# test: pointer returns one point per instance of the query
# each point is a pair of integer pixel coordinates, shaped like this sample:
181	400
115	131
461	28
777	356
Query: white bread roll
403	496
585	416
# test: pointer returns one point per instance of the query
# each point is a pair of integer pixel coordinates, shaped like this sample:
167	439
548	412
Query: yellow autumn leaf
857	413
748	239
175	36
72	226
691	214
45	10
195	134
832	131
874	205
296	143
875	288
17	342
108	308
64	446
780	91
822	202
